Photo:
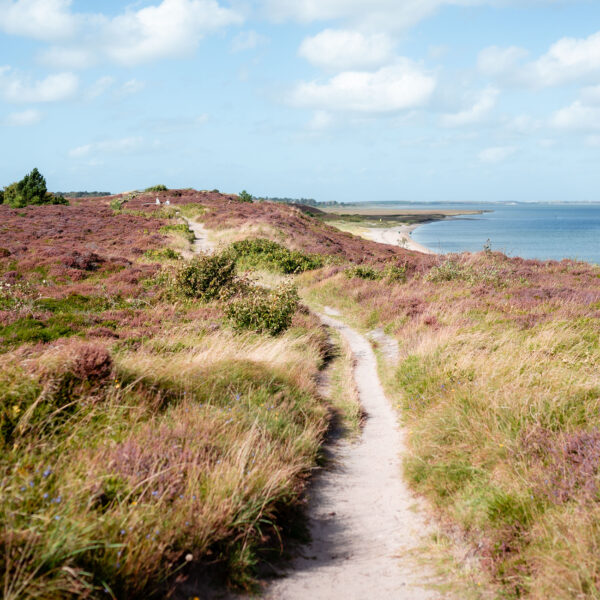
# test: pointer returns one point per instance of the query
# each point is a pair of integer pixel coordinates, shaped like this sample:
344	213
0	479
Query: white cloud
566	61
474	114
23	118
247	40
52	88
344	50
496	154
577	116
38	19
170	28
390	89
126	145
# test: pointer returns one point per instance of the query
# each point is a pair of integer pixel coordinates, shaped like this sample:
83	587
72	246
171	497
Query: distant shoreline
387	226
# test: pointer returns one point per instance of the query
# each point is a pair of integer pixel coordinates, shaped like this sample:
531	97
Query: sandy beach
397	236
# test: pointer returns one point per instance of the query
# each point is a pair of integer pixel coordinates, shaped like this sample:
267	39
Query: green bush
264	253
116	204
157	188
31	190
244	196
363	272
263	310
205	277
181	229
161	254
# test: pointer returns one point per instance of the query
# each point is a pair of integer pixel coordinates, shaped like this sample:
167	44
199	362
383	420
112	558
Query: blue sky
416	100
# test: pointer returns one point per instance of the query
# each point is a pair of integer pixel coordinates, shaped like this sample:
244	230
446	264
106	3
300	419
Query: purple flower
47	472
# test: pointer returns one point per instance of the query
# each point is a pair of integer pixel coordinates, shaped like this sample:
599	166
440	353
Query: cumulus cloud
496	154
16	88
39	19
23	118
390	89
168	29
567	60
475	113
344	50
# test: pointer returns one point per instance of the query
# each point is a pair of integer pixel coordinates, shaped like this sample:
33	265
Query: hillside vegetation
156	414
159	413
499	390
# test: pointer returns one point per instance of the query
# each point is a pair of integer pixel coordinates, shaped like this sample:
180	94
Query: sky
346	100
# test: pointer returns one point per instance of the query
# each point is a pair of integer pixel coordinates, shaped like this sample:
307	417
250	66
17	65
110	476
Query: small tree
244	196
30	190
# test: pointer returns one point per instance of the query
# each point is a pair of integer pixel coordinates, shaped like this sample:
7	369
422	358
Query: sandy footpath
363	520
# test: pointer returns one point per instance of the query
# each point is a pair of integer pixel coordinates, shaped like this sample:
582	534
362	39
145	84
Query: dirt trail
201	243
362	518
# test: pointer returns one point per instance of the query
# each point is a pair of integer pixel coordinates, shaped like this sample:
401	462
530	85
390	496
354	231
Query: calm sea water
545	231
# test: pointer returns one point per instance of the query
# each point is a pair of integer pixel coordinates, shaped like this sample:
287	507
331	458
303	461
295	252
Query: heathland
160	414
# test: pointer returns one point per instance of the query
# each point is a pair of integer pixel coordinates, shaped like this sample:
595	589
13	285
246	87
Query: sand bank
397	236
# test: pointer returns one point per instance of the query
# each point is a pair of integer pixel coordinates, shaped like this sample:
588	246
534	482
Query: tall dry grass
499	390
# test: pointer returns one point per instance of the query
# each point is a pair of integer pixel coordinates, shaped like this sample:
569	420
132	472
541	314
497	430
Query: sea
529	230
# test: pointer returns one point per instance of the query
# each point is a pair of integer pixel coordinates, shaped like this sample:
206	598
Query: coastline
399	235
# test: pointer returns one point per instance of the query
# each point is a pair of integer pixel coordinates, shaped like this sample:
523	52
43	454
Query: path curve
202	245
362	517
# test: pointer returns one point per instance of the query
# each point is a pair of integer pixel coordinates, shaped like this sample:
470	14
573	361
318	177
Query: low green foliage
393	273
265	311
29	329
180	229
263	253
205	277
161	254
157	188
116	204
244	196
31	190
452	270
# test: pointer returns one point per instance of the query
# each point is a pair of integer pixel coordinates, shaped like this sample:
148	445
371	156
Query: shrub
265	311
116	204
451	270
262	252
157	188
181	229
31	190
205	277
161	254
363	272
244	196
92	362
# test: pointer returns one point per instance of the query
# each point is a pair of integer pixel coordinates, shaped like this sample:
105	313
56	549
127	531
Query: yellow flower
16	409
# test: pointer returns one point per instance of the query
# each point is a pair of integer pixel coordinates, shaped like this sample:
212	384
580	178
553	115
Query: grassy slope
498	385
140	435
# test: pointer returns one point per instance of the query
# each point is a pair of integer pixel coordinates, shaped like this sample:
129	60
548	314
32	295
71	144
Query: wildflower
44	496
118	565
47	472
155	493
31	484
189	557
16	410
122	532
